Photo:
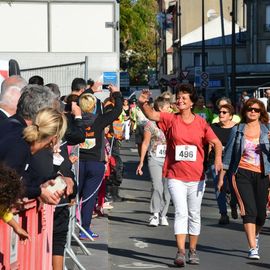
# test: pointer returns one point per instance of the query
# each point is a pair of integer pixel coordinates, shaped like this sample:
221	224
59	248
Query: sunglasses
222	112
256	110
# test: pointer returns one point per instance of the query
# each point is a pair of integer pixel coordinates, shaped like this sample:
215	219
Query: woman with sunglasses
246	158
222	129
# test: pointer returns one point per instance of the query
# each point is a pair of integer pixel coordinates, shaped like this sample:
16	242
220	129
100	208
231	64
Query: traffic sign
184	74
204	84
204	76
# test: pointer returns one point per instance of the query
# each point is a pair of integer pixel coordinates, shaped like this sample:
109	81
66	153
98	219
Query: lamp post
233	49
203	46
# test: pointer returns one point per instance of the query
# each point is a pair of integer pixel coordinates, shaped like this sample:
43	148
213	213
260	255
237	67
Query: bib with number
88	144
161	151
185	152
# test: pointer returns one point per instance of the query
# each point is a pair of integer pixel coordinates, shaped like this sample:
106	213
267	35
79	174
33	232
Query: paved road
126	242
134	245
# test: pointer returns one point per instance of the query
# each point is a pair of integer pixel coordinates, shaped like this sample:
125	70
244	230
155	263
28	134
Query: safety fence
37	220
34	254
62	75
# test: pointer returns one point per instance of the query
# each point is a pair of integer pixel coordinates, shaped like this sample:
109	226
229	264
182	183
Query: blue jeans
90	177
220	196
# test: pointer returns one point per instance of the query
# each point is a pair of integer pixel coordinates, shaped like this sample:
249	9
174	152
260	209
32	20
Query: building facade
234	59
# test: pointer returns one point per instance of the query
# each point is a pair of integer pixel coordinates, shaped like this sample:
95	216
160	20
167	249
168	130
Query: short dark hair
264	118
36	80
188	89
78	84
90	82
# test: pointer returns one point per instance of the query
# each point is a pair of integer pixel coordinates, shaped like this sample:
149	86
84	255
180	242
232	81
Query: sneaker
83	236
234	212
257	241
224	219
107	205
164	221
193	257
253	254
180	259
154	222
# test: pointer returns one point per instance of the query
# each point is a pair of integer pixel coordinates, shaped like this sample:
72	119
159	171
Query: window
198	59
267	54
267	19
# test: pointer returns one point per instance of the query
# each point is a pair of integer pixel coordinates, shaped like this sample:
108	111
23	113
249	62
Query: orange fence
32	255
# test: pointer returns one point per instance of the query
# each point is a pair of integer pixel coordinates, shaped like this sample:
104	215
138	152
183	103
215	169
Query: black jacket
93	147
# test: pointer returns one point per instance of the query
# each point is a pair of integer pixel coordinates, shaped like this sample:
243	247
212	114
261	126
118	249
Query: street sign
184	74
204	79
110	78
204	76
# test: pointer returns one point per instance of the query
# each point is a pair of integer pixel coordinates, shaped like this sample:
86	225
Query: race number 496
185	153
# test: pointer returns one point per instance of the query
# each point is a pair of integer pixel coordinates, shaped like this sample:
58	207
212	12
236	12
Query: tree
137	38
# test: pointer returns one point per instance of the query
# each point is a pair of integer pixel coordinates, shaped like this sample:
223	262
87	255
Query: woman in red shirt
186	134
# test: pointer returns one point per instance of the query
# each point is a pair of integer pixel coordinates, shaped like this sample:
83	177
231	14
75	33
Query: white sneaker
253	254
154	222
107	205
164	221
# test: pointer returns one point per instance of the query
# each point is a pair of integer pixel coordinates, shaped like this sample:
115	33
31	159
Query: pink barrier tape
35	254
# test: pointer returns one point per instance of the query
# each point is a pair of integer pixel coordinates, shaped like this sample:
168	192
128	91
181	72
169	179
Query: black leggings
251	189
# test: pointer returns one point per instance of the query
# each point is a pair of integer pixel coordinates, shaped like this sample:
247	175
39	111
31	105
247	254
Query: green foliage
137	38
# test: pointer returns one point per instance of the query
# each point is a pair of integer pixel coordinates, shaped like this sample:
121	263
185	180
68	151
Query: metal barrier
35	254
62	75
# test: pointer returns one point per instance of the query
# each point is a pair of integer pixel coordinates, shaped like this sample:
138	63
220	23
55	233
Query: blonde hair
87	102
48	122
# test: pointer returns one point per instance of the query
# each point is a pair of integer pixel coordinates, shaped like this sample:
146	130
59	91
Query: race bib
161	151
185	152
88	144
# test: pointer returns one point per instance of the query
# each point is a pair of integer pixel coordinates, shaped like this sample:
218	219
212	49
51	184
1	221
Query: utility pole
179	33
233	49
203	45
226	84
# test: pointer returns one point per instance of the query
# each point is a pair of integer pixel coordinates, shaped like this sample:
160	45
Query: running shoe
234	212
154	222
164	221
193	257
180	259
224	219
83	236
107	205
253	254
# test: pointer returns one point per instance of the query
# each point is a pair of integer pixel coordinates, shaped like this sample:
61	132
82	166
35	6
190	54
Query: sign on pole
204	79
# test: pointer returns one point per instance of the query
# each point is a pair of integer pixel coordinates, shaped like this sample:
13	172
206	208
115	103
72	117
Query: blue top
235	148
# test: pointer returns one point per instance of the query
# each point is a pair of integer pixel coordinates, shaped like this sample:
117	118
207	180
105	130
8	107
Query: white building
39	33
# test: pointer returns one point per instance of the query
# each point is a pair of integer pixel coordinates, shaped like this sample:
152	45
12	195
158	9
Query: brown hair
189	89
229	107
264	118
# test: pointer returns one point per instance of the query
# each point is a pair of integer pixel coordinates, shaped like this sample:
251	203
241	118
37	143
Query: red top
177	132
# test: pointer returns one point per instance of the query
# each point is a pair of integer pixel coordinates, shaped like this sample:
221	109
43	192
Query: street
134	245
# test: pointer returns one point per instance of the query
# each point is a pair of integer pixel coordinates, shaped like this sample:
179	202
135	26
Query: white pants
187	199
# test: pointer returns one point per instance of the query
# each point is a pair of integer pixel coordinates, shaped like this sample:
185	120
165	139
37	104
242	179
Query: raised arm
149	112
